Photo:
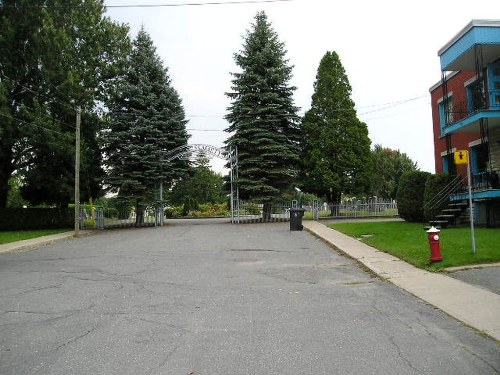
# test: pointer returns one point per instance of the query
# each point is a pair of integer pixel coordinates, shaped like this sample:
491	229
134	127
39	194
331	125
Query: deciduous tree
389	165
55	55
204	185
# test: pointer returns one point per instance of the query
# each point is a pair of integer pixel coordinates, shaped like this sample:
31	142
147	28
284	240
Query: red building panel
455	86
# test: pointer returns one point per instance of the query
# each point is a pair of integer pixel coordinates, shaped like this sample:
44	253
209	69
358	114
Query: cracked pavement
204	297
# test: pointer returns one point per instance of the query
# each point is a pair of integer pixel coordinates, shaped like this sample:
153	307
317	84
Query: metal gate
189	152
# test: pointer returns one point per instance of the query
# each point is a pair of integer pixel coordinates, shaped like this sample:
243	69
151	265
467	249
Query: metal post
471	209
232	178
162	210
77	172
236	182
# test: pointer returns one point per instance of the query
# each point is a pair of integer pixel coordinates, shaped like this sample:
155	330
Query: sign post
462	157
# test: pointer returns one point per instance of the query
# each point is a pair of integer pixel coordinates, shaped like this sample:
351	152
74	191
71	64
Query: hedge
36	218
410	196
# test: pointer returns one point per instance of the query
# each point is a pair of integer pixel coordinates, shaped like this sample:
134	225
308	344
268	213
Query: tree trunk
139	214
5	174
266	211
4	191
6	169
334	202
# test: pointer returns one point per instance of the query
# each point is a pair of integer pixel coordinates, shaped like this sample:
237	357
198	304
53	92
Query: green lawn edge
14	236
408	241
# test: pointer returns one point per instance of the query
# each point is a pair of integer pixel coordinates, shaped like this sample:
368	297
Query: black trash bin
296	215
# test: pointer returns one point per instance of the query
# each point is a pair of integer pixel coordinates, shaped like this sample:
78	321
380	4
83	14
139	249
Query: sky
388	49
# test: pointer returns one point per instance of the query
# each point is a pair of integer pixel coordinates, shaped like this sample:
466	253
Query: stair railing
435	204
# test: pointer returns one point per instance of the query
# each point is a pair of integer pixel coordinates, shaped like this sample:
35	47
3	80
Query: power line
37	126
38	94
196	4
395	113
390	105
170	5
393	103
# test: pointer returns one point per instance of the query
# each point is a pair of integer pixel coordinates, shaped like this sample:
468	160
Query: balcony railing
461	110
485	180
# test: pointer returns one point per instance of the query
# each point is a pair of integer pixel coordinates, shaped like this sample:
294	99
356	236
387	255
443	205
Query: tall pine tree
336	156
263	118
146	120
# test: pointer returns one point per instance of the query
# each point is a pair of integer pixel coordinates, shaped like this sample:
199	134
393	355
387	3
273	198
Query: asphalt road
487	278
197	298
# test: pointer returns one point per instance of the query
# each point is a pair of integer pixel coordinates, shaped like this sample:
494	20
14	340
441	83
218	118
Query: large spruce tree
262	116
336	157
146	120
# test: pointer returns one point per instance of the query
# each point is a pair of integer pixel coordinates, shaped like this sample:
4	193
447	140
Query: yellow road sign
461	157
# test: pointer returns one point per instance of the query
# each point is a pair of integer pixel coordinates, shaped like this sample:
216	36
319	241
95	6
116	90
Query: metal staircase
451	215
443	212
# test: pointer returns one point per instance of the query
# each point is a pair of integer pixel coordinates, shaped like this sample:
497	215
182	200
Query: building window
475	96
445	160
494	83
479	158
445	113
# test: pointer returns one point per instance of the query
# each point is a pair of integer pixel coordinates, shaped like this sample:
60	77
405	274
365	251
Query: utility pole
77	172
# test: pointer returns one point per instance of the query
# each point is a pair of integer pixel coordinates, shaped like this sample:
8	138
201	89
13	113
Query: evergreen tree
263	118
146	120
335	144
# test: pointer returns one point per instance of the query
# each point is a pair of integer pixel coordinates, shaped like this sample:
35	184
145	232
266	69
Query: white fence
371	208
247	212
354	209
113	218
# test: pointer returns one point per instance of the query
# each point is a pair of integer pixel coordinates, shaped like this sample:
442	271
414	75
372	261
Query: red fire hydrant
433	236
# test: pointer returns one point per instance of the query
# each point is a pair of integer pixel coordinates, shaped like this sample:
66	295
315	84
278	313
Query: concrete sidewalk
472	305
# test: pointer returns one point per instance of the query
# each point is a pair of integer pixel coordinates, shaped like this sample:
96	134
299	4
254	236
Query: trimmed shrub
36	218
410	196
434	185
190	204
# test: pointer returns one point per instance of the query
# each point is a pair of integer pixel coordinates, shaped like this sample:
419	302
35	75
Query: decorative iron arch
187	152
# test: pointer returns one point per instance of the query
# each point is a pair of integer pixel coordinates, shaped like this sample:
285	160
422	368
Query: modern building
466	114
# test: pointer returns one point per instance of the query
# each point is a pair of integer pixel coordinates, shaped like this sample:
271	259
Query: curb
34	243
471	267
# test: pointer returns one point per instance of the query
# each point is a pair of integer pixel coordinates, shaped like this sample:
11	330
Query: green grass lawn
13	236
408	241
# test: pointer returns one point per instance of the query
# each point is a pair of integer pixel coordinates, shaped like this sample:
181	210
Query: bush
211	210
190	204
434	185
89	223
36	218
172	212
111	213
410	196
